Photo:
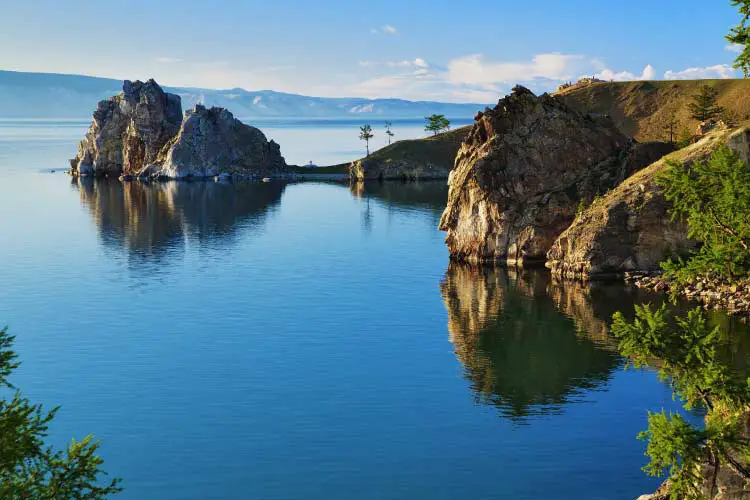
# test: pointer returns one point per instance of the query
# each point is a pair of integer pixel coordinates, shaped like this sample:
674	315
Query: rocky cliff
213	142
521	173
416	159
142	132
128	130
628	229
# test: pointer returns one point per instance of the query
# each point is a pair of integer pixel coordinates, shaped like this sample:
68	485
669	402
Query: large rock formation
211	142
142	132
416	159
128	130
629	229
520	175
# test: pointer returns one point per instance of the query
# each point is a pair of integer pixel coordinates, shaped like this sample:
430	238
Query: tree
365	134
714	199
437	124
28	468
740	36
704	106
671	127
689	354
388	131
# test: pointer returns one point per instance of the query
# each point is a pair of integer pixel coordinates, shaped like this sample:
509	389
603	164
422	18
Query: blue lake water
305	341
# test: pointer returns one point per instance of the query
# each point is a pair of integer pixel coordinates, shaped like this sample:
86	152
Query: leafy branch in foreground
688	352
740	37
28	468
714	199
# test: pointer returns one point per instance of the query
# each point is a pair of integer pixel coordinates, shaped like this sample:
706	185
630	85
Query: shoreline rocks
522	172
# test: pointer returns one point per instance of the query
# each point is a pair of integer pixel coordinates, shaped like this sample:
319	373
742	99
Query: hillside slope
428	158
643	109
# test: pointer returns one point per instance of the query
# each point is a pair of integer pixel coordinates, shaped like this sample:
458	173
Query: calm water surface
305	341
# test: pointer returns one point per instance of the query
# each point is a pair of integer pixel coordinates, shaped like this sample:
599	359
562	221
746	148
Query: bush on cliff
714	199
29	469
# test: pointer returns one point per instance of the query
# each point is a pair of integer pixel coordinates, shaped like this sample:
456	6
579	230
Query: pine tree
28	467
740	36
704	106
365	134
437	124
388	131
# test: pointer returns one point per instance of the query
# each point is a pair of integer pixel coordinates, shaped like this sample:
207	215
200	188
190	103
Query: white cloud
649	73
722	71
474	70
390	30
415	63
167	60
734	47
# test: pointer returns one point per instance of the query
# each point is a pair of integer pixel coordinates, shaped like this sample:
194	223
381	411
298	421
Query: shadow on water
530	345
150	222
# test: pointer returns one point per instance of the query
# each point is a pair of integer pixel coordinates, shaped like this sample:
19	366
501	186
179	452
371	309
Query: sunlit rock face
211	141
520	353
520	175
150	222
128	130
629	228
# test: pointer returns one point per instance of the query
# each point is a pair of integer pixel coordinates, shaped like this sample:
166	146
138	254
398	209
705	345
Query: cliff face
128	130
521	173
629	229
211	142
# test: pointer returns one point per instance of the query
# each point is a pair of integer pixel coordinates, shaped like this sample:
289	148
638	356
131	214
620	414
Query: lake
305	341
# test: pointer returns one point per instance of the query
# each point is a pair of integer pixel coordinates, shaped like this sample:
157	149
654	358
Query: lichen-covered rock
520	175
128	130
211	142
629	229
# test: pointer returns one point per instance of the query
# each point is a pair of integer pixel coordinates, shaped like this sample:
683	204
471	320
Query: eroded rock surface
128	130
629	228
521	173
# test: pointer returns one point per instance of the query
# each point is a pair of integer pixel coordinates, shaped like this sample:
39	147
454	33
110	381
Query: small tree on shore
437	124
671	128
740	37
365	134
388	131
28	467
705	104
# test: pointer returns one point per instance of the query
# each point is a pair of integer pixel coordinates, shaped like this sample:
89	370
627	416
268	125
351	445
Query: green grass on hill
440	149
643	109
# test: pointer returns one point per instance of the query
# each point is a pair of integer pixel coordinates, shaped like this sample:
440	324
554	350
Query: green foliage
437	124
28	468
365	134
740	35
714	199
705	104
687	350
388	131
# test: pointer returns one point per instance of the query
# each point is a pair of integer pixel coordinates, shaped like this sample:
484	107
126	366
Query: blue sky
458	51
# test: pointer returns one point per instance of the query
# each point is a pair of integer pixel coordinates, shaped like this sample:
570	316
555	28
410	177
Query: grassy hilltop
643	109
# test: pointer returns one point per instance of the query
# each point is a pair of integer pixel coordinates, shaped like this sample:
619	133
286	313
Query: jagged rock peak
520	175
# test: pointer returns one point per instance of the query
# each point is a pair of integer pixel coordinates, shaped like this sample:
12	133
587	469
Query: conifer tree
705	104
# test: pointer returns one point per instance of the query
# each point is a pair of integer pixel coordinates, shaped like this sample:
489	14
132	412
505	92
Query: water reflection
431	195
520	353
150	221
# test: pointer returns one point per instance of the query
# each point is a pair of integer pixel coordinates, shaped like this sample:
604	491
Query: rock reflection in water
149	221
520	352
431	195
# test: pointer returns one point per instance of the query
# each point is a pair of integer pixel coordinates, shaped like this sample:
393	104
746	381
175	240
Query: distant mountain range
48	95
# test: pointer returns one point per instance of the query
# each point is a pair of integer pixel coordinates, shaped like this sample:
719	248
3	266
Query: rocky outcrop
521	173
128	130
629	228
212	142
142	133
416	159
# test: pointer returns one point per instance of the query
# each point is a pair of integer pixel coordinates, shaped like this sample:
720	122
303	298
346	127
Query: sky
453	51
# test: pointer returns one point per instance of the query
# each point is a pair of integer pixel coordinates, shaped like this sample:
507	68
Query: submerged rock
212	142
520	175
629	229
128	130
